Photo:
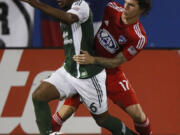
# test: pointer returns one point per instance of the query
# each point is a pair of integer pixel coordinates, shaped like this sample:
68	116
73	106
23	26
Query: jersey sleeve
113	7
81	9
138	42
134	47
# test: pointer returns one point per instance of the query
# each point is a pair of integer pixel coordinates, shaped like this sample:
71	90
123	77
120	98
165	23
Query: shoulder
80	3
139	30
115	6
81	9
80	6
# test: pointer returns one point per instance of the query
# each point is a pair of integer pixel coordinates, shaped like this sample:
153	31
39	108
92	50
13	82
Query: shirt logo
132	50
106	22
84	74
107	41
66	39
122	40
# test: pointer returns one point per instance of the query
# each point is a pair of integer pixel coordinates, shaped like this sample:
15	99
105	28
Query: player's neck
129	20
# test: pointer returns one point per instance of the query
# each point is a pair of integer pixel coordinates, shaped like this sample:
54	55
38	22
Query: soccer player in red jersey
120	38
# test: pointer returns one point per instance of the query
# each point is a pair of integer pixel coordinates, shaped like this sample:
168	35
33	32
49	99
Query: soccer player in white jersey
72	78
120	38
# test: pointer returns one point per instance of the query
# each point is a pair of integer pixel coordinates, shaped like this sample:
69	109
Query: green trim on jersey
76	37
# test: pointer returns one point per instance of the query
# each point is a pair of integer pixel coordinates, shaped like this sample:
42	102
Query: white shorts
91	90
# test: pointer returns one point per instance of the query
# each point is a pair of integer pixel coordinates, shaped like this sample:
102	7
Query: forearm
54	12
85	58
109	62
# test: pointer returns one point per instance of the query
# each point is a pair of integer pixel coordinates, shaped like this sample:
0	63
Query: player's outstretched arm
63	16
86	58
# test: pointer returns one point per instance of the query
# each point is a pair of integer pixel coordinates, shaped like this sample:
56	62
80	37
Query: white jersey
76	38
91	88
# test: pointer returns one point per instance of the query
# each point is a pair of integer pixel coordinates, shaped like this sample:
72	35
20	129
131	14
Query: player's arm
110	62
63	16
86	58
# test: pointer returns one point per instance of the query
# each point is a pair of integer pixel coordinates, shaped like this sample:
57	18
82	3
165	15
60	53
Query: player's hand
84	58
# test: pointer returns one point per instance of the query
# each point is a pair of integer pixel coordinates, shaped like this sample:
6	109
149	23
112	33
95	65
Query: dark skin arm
63	16
86	58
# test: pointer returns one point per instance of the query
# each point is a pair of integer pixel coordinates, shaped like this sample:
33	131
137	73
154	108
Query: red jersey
114	36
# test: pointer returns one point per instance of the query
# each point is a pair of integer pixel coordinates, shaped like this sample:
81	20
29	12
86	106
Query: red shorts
119	90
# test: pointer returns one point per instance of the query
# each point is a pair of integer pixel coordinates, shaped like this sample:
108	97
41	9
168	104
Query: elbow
71	19
67	19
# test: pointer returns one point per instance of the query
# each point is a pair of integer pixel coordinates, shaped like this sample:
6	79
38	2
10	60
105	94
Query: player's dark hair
145	5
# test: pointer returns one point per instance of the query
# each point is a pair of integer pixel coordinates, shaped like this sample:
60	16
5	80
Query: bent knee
36	94
45	92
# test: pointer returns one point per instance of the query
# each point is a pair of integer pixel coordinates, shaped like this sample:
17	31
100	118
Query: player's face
64	3
131	9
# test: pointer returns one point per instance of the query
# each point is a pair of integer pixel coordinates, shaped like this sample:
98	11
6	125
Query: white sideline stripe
56	133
